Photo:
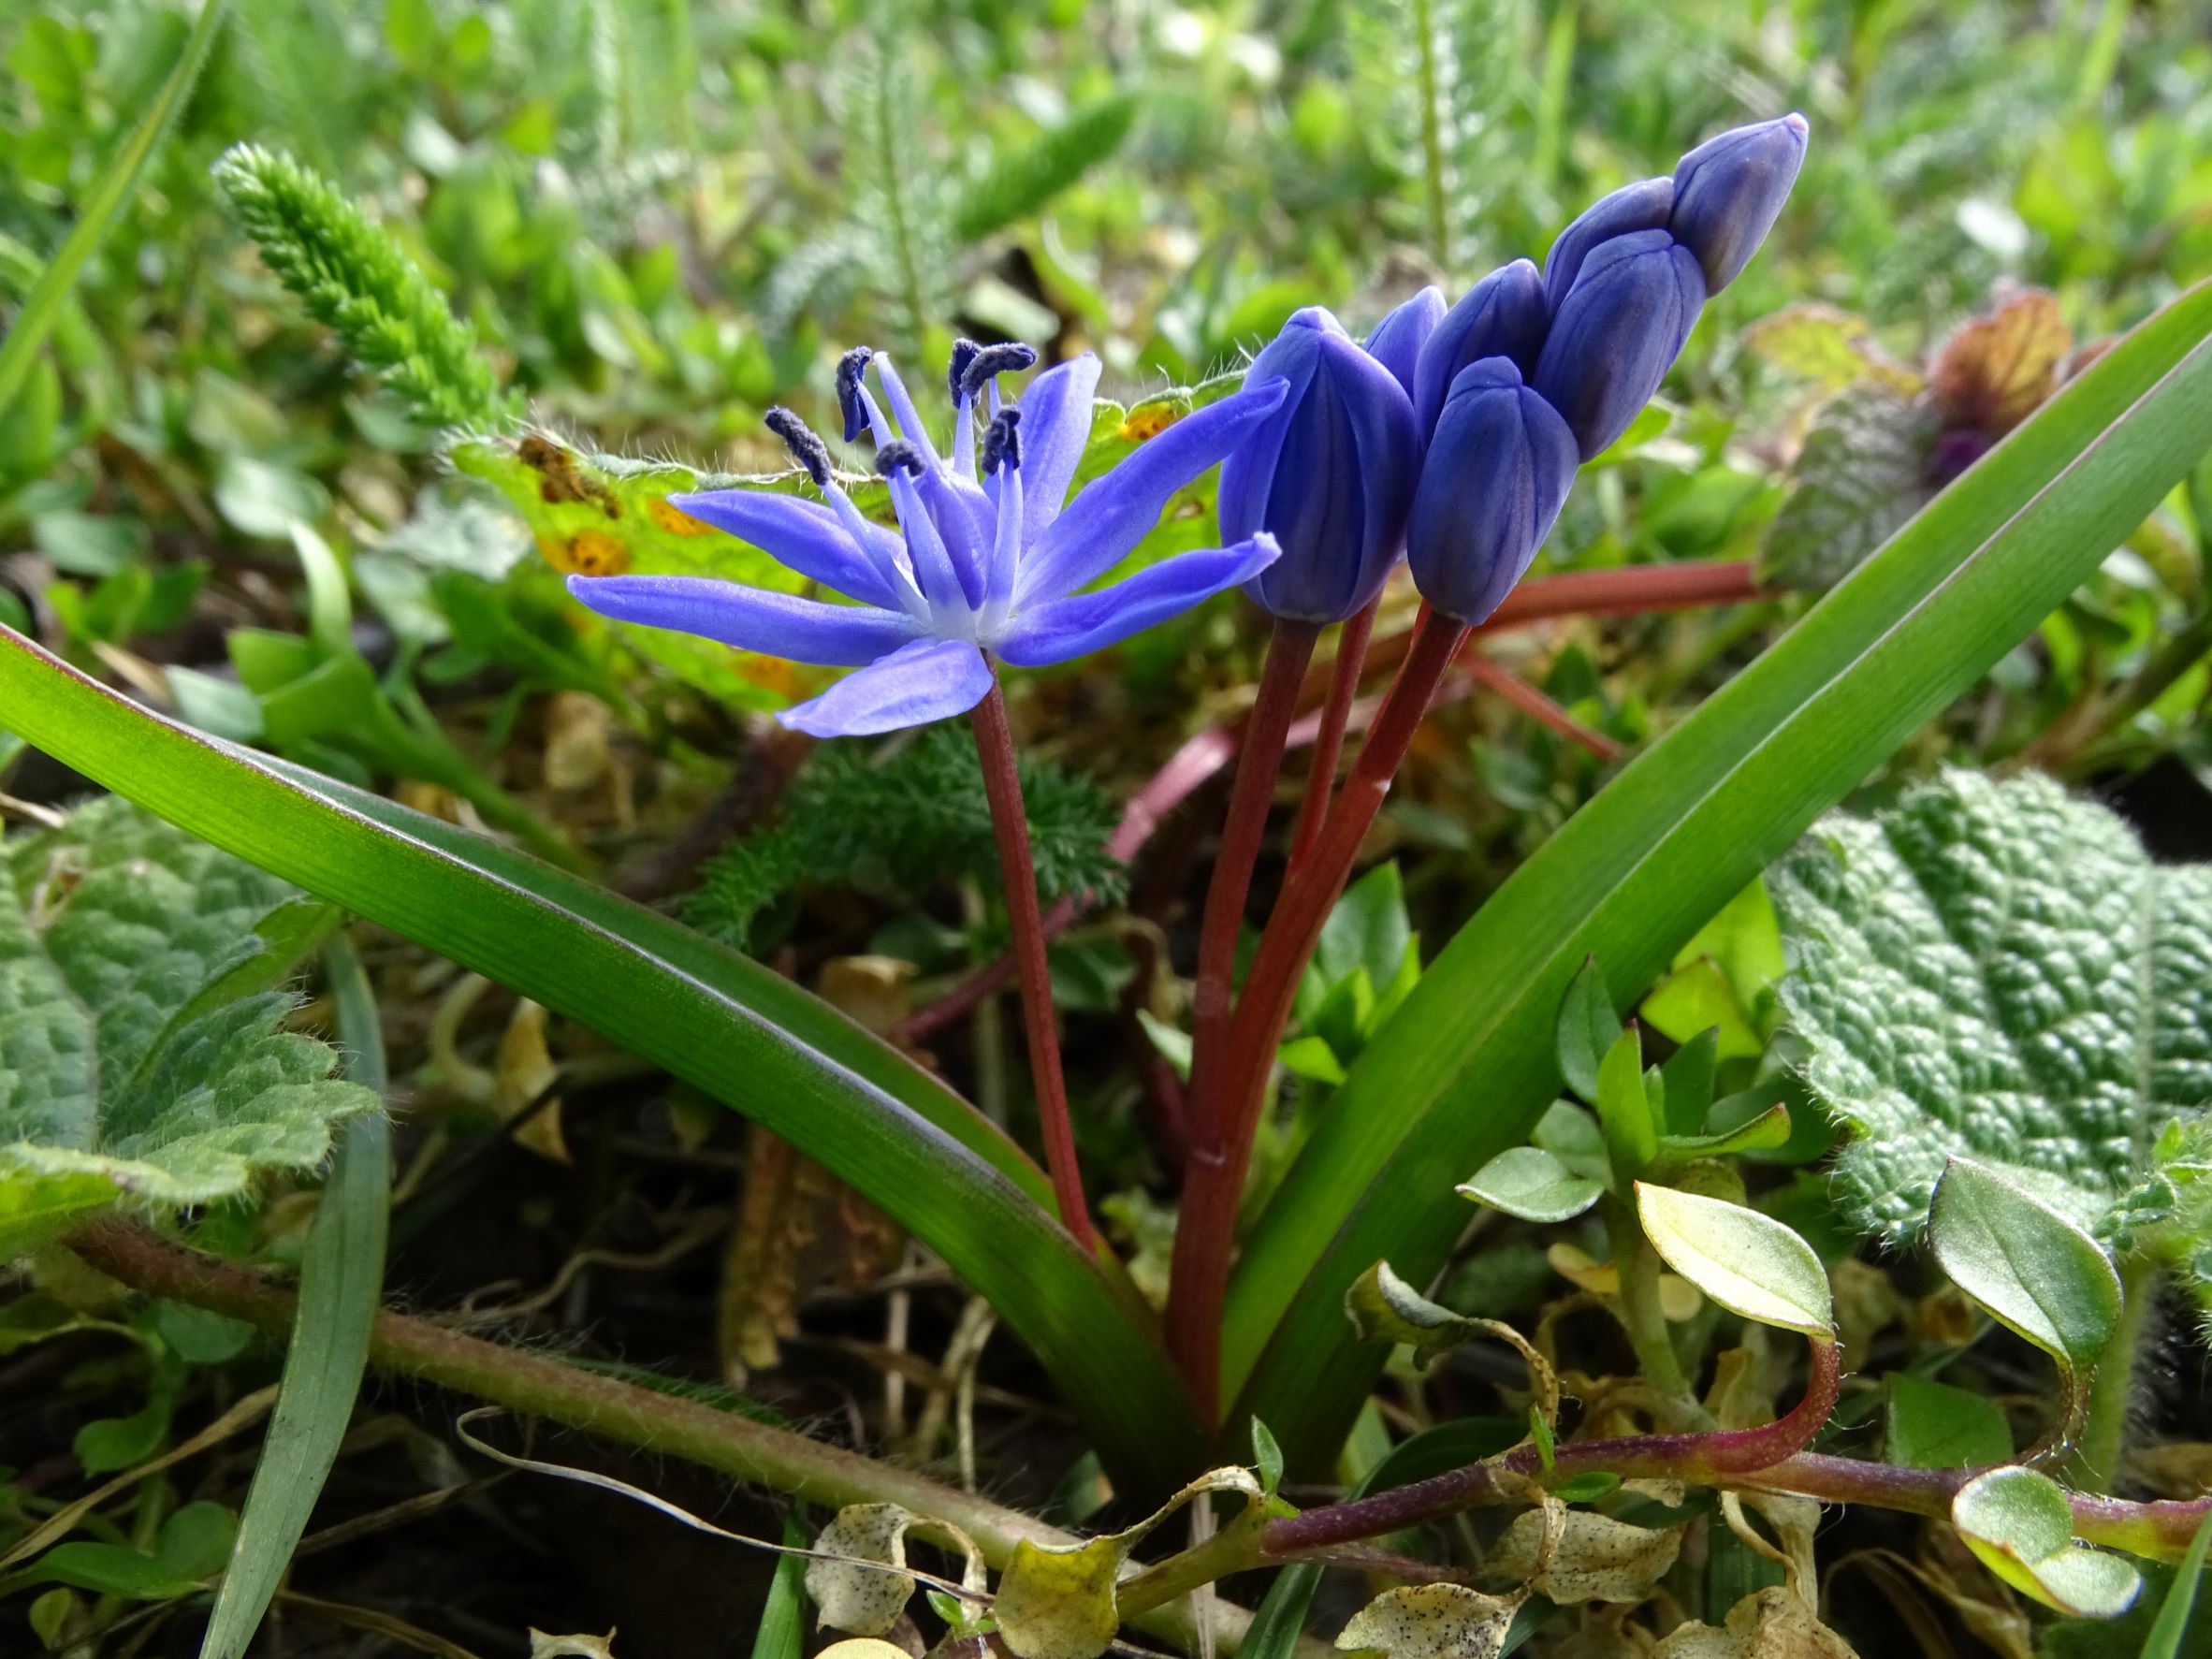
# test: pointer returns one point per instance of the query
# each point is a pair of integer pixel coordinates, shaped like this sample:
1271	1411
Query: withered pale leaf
1432	1622
865	1599
1771	1624
1596	1558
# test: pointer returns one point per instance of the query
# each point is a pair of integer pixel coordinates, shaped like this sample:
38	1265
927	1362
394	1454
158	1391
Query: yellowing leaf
1829	346
1059	1603
864	1598
1993	372
1432	1622
1750	1263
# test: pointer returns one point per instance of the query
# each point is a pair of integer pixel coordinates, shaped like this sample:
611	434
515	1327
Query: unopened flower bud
1499	468
1618	332
1729	190
1330	475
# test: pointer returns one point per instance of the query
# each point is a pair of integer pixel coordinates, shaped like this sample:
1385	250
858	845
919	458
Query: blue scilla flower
989	555
1499	467
1729	191
1503	315
1330	475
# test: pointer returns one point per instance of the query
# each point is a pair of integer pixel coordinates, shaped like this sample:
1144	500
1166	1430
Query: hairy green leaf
1862	473
143	1047
1996	971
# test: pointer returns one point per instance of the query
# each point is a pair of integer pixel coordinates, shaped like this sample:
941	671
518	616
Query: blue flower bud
1397	340
1618	332
1499	468
1330	475
1641	205
1504	315
1729	190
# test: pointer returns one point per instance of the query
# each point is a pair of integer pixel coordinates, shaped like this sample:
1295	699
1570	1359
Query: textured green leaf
1996	971
1862	473
141	1046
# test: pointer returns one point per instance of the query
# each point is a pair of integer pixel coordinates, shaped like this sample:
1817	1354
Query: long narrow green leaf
742	1033
1465	1068
102	206
2172	1625
782	1634
341	1282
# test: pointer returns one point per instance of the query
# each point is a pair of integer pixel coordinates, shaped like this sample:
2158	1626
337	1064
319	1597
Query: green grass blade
742	1033
2172	1625
341	1282
781	1633
100	210
1465	1068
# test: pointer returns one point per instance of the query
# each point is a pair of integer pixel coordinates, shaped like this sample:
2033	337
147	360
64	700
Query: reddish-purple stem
1727	1453
1290	648
1010	826
1344	688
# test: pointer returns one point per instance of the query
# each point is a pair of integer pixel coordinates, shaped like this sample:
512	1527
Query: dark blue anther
806	447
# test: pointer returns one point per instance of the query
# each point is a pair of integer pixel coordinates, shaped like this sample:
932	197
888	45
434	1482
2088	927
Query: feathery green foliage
907	817
1019	182
1438	74
354	278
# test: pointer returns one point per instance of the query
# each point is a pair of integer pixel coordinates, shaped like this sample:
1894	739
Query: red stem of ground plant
1495	677
1290	648
1728	1454
1344	688
1010	826
1629	592
1206	1232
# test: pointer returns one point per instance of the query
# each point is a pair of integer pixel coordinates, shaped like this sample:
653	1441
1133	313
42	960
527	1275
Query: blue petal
1063	628
1503	315
777	624
1056	428
925	680
1729	191
800	535
1397	340
1617	334
965	520
1114	513
1641	205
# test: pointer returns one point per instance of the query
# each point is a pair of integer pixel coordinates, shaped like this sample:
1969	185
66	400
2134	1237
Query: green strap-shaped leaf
714	1018
1466	1065
341	1284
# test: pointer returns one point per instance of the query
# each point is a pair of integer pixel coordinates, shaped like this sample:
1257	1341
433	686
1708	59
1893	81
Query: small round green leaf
2020	1524
1750	1263
1529	1182
2035	1270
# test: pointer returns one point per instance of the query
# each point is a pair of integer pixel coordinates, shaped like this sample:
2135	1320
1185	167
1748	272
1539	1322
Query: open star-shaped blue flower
990	556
